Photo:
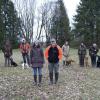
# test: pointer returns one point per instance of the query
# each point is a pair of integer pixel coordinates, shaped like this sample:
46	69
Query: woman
82	54
7	50
37	61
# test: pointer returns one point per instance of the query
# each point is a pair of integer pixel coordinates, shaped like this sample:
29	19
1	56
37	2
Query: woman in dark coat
82	54
37	61
7	50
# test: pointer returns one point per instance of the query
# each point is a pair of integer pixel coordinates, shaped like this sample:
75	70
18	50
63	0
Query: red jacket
25	48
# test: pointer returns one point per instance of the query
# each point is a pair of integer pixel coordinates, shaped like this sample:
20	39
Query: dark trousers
7	61
26	58
81	60
93	61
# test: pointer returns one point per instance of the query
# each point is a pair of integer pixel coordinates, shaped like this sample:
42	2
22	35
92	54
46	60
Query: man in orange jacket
25	49
53	54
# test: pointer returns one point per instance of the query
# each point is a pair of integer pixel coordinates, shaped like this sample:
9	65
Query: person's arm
67	50
60	53
46	52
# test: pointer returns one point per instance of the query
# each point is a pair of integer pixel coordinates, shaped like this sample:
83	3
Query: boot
56	77
40	79
51	78
35	79
63	63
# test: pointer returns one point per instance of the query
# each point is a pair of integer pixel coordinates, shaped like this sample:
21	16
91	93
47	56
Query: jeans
93	61
26	58
37	70
53	67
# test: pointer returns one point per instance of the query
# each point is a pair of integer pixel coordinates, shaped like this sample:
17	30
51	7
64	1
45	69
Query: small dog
86	62
13	63
69	62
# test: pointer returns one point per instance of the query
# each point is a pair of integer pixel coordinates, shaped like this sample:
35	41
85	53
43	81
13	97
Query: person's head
66	43
94	45
23	41
53	42
82	44
37	43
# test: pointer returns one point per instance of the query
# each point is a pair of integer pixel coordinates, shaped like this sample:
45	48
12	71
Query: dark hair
36	46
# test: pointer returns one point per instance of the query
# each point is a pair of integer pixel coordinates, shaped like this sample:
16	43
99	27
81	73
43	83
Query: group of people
82	52
33	56
52	53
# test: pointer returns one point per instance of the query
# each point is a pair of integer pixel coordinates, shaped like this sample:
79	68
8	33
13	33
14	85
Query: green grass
75	83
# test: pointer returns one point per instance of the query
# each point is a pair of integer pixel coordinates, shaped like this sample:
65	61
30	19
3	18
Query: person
82	53
65	49
25	50
7	50
93	50
53	54
37	61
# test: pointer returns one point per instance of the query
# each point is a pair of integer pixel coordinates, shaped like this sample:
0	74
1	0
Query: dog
13	63
98	62
69	62
86	61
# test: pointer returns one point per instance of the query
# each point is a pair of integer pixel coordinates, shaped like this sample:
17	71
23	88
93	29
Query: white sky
71	6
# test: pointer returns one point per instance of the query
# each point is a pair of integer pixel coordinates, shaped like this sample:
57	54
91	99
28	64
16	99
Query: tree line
87	22
21	21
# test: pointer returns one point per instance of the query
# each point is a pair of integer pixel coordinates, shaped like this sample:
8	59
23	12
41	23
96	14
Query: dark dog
98	62
13	63
69	62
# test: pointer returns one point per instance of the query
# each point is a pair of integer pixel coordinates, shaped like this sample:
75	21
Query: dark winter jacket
37	57
82	51
7	50
93	51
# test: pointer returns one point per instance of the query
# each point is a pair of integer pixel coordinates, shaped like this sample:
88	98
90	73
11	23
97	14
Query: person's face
53	43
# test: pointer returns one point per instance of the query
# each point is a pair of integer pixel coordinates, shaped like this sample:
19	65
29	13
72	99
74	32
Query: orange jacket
47	49
25	48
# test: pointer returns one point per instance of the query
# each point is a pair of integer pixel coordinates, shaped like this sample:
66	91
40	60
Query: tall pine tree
60	23
9	21
87	21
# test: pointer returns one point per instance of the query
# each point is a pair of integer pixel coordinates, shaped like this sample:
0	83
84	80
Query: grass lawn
75	83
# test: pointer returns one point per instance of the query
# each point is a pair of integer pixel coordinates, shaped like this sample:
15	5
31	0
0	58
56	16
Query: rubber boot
40	79
35	79
56	77
51	78
63	63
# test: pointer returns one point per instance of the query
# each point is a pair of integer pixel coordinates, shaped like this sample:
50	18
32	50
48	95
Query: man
65	49
53	54
82	54
93	54
25	49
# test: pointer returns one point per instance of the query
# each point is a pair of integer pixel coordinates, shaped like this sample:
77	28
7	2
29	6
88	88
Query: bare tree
26	11
44	22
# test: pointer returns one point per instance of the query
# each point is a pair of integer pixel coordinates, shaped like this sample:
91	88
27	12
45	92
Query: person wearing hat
37	61
93	54
65	49
53	54
25	50
82	53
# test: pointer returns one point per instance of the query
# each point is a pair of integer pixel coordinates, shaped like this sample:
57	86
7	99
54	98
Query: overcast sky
71	6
